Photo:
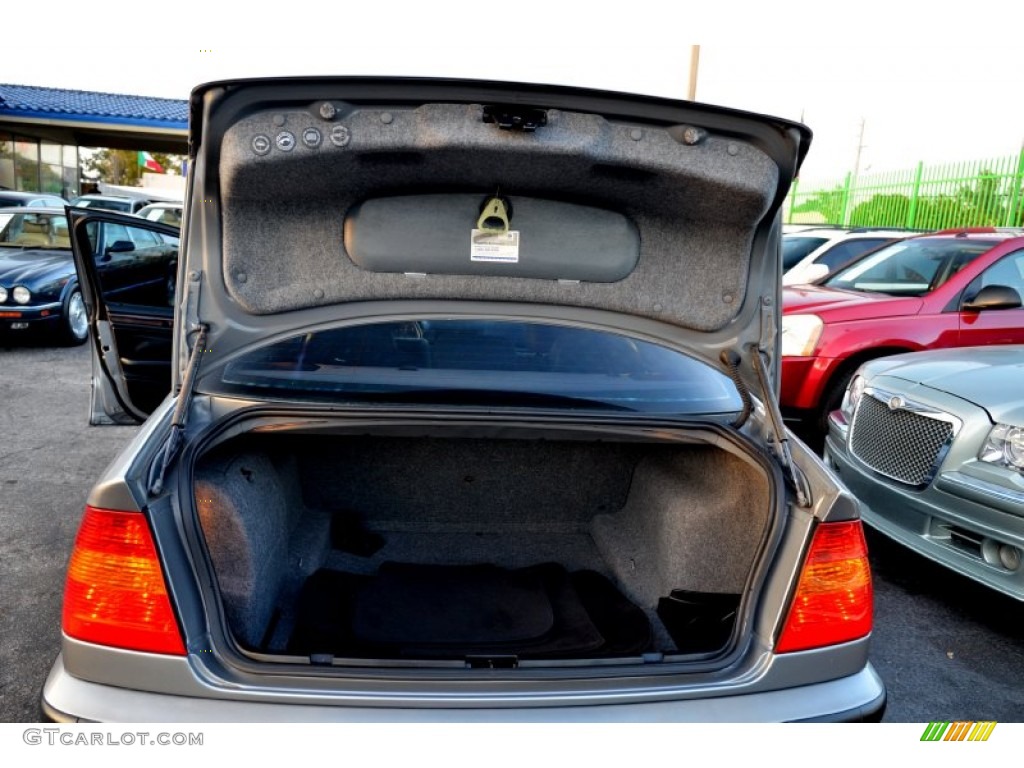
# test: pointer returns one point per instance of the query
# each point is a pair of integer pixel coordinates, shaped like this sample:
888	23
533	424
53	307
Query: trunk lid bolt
693	135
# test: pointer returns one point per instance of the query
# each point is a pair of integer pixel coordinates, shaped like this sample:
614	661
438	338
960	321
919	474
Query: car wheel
832	400
75	328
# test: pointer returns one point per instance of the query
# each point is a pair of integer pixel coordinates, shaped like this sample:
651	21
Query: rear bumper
858	698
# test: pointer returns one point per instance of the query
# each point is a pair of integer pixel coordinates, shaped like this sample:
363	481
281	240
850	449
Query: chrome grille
898	443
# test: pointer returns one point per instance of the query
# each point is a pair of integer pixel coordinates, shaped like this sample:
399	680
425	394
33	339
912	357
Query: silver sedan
932	444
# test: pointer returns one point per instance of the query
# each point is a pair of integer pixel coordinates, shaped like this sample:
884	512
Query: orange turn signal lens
834	597
115	592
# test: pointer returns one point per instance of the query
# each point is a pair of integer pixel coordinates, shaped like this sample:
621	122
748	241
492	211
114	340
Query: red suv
949	289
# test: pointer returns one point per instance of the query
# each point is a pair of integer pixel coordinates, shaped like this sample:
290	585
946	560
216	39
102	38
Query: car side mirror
993	297
118	246
121	246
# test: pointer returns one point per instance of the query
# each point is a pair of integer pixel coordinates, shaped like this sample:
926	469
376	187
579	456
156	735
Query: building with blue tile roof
41	130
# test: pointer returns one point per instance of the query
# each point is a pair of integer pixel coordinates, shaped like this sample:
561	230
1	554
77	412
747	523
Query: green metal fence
975	193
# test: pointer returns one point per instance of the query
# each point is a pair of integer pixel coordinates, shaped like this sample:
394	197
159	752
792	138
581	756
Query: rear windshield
796	247
846	251
107	205
909	267
482	362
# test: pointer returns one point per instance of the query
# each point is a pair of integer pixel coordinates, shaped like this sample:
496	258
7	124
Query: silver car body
915	462
730	172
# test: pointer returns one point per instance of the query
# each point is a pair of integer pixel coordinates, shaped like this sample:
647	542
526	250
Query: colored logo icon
958	731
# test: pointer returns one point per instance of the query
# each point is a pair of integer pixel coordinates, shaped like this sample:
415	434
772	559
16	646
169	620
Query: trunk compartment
485	551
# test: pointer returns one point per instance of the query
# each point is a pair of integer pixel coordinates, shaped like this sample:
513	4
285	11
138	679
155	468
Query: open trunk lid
310	194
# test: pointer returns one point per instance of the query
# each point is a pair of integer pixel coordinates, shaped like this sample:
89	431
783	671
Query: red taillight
833	597
115	592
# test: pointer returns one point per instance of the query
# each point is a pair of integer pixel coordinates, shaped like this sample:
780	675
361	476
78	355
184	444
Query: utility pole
860	146
694	62
851	180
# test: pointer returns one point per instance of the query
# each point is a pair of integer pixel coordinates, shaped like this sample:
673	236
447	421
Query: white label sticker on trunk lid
494	246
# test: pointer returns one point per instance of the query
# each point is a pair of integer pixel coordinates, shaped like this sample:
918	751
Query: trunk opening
482	552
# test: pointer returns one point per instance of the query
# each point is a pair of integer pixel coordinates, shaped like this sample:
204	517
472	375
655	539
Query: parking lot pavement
49	458
946	648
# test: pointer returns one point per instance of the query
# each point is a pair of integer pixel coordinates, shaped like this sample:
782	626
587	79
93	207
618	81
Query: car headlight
3	294
21	294
852	396
1004	446
800	334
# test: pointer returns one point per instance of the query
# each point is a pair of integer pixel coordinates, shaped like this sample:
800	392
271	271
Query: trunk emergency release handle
494	215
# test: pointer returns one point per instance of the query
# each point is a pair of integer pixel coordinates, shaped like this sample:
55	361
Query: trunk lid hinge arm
169	450
785	456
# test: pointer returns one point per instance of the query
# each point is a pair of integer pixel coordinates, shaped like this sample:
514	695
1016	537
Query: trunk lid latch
514	117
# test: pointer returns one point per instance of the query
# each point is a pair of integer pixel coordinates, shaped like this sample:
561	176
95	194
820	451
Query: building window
72	173
6	162
26	166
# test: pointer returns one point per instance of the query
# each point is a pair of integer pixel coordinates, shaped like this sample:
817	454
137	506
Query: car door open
128	271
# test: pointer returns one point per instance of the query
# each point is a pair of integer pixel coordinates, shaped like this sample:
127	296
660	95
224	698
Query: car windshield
796	247
34	230
161	213
910	267
482	362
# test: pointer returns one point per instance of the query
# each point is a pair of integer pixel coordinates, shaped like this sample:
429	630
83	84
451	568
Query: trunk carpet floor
453	611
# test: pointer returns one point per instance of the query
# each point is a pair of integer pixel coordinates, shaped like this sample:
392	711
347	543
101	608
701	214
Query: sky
939	84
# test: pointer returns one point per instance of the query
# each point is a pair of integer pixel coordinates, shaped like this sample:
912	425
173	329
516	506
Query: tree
987	201
830	204
121	166
881	211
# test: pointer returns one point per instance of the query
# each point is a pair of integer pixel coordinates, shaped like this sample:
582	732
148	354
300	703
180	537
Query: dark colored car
950	289
39	288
